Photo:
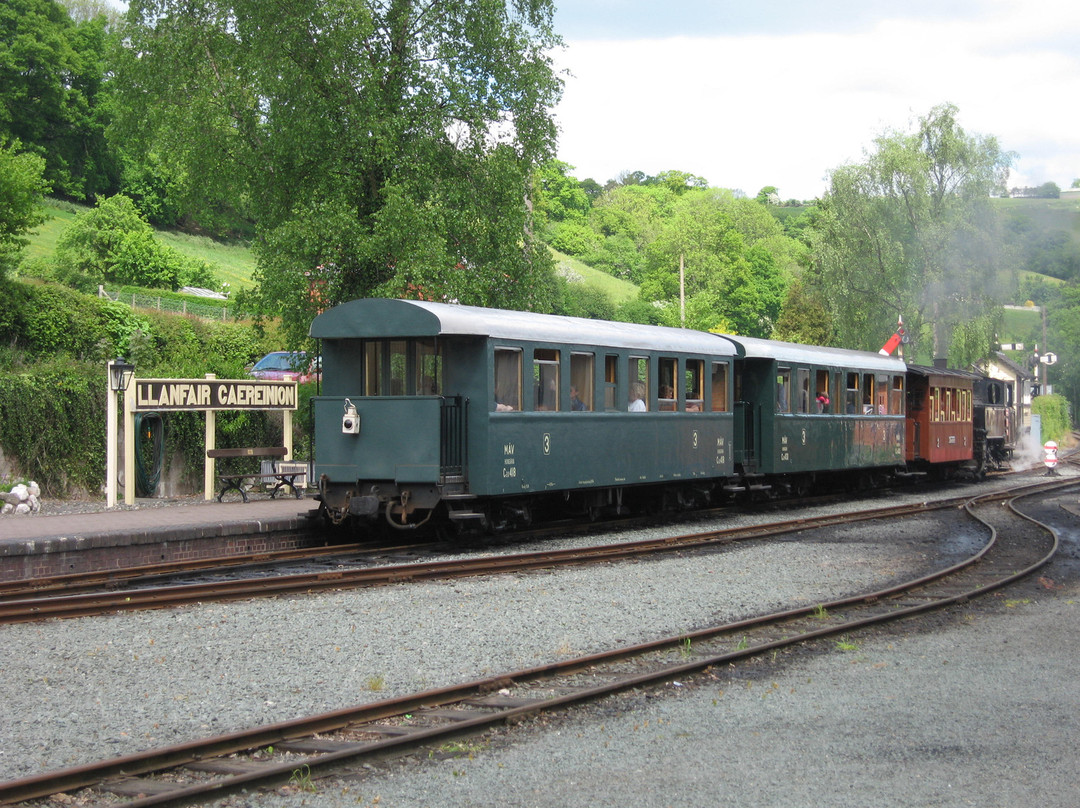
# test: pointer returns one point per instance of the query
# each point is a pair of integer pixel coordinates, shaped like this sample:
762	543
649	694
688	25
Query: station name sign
213	394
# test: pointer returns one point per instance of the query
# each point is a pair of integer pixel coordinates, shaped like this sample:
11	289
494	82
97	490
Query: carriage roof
381	318
790	352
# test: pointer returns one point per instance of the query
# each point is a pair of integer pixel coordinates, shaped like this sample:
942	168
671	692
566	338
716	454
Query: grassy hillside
616	289
233	263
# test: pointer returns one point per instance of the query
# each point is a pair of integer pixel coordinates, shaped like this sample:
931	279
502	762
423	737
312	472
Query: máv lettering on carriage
213	394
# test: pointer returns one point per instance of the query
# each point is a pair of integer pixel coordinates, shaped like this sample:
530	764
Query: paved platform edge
81	540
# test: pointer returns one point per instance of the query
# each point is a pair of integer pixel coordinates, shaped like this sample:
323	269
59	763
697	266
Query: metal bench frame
235	481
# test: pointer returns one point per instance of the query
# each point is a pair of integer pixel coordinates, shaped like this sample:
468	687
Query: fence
207	311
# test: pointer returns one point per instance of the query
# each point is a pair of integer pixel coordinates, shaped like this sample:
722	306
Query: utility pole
682	291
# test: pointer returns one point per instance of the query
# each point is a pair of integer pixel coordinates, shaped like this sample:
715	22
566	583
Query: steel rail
472	698
82	605
99	602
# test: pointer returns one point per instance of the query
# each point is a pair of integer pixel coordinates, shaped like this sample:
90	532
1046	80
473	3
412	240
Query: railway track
68	602
304	748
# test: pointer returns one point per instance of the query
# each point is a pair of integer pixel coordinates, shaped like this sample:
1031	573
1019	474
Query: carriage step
742	489
465	516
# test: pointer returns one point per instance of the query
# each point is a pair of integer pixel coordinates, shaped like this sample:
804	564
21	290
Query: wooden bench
235	480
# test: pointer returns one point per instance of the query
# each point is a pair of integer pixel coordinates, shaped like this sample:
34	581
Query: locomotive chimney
940	362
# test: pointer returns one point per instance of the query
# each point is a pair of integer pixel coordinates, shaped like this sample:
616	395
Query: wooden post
129	444
110	439
210	467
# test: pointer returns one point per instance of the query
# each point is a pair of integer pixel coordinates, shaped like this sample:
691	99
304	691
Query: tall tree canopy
909	232
51	91
736	263
22	187
381	146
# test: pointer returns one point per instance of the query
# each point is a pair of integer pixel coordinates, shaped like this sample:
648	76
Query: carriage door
747	423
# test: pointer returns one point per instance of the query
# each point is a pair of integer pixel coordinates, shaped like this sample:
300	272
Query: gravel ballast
939	714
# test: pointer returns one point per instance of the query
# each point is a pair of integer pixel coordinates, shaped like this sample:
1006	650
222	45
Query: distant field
617	290
233	263
43	240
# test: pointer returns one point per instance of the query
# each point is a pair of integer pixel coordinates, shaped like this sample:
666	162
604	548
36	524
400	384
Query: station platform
153	532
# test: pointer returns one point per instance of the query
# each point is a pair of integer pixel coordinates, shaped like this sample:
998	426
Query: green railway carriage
484	415
801	410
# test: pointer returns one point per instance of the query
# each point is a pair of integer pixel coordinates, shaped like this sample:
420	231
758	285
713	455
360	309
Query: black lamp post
120	373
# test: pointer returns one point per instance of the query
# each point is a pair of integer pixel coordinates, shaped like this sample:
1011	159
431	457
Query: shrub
49	320
113	243
1054	410
51	425
54	343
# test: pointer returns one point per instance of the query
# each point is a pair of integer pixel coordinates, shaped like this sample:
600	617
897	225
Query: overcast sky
749	93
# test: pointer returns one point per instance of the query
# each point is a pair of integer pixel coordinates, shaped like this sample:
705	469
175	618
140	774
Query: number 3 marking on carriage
695	438
547	443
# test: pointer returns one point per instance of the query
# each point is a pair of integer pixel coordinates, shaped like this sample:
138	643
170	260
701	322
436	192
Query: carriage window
881	399
719	387
546	378
868	393
802	382
638	379
428	368
693	379
373	368
582	380
611	382
399	362
851	394
507	379
896	397
935	404
668	368
822	392
783	390
401	368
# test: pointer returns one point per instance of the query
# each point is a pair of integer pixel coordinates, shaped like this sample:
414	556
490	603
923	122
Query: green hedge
1054	410
52	425
54	344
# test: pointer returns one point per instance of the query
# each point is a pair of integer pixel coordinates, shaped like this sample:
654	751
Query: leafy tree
616	255
52	94
382	148
768	195
909	232
1063	319
722	244
557	196
22	188
975	339
804	318
114	243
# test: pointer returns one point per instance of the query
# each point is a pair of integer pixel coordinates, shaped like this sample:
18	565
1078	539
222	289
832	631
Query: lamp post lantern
120	373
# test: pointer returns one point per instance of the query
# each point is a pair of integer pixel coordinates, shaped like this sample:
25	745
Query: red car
287	364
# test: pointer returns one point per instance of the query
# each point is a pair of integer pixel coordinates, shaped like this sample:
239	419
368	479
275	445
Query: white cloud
783	110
